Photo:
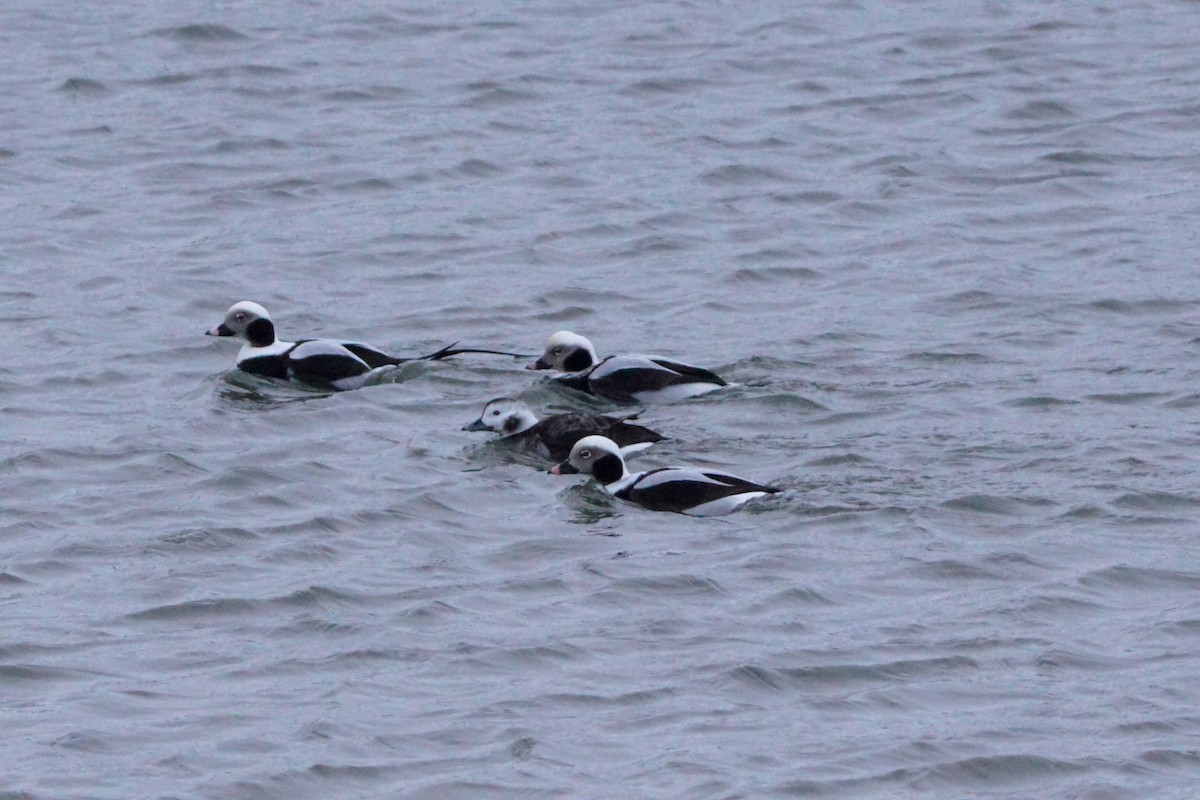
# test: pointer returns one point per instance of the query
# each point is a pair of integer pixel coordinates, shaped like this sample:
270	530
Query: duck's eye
557	351
585	453
240	317
495	412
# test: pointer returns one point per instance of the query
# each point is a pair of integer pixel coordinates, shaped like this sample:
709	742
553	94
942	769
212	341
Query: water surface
947	256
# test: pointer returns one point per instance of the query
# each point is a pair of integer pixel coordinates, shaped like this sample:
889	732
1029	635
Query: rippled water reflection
946	256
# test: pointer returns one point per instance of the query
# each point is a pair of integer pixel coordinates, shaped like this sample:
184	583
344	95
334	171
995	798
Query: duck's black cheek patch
261	332
511	424
607	468
577	361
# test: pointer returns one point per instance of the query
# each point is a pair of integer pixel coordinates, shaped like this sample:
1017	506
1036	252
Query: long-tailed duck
324	363
686	490
553	436
624	379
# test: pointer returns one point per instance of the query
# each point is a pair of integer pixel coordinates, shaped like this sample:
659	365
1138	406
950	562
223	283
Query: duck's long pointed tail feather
451	350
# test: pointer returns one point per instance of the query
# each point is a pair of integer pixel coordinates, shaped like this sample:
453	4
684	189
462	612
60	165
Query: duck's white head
566	352
597	456
247	320
505	416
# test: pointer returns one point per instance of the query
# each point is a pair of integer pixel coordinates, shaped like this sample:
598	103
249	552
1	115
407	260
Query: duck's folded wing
634	374
371	356
322	362
560	432
740	484
626	433
689	373
674	489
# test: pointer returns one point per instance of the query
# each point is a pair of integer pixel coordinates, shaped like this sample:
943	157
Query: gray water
946	251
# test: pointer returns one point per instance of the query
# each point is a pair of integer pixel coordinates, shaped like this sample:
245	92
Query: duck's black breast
579	382
266	366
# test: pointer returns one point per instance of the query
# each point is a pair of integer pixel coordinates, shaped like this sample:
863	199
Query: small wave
1157	501
995	504
339	773
478	168
772	274
201	540
1188	401
168	79
953	569
575	300
37	673
1086	511
673	586
791	597
784	401
840	459
1042	111
840	677
1076	157
246	478
654	86
1001	770
366	185
840	417
809	198
248	144
305	627
1125	576
657	244
429	613
324	597
82	86
743	175
1126	398
948	357
200	32
1174	759
499	97
1059	606
191	609
367	94
1150	306
1039	401
973	300
84	742
304	553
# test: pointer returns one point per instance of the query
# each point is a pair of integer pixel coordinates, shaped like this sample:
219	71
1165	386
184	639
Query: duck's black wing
623	378
560	432
372	356
323	362
676	489
625	433
689	373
